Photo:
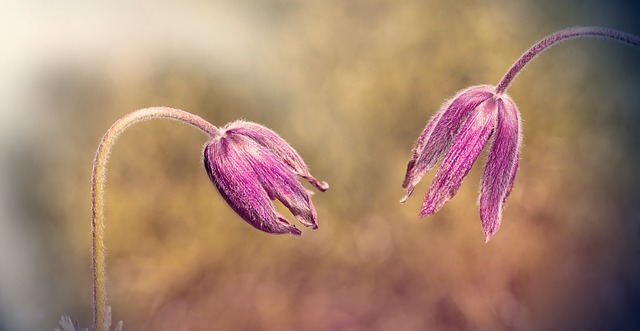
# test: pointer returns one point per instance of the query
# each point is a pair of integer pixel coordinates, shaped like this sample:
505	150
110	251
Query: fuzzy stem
559	36
97	193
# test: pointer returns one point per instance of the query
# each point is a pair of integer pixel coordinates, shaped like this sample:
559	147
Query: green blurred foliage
350	84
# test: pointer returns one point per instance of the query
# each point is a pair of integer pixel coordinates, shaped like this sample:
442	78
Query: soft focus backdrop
350	84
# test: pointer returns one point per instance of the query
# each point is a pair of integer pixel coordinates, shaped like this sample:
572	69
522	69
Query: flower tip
430	207
488	236
311	224
489	231
282	226
321	186
409	191
406	196
426	212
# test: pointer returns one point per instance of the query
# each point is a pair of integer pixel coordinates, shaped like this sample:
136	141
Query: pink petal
230	162
414	174
502	165
276	145
440	132
463	153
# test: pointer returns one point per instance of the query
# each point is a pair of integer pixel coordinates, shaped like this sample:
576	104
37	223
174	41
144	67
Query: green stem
98	178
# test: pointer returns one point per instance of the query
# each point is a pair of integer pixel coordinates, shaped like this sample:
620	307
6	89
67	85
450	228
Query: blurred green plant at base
349	85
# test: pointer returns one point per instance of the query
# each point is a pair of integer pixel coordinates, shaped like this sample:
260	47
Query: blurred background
350	84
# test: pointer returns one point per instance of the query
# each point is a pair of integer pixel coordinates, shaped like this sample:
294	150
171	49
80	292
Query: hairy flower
251	165
460	130
464	125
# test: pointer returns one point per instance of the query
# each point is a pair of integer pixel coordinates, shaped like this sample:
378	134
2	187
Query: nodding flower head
460	130
251	165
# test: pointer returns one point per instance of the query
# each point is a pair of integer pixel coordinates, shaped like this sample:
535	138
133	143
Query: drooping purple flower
251	165
460	131
465	123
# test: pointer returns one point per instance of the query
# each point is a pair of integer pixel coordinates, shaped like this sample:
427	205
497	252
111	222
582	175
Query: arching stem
97	194
559	36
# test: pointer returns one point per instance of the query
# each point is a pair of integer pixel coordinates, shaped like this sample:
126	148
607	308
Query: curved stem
97	194
559	36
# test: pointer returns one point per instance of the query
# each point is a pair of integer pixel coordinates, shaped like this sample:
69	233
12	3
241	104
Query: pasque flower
467	122
248	163
251	165
461	129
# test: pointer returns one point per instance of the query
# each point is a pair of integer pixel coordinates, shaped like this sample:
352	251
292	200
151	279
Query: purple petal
276	145
234	164
440	131
458	161
411	178
502	165
512	177
281	183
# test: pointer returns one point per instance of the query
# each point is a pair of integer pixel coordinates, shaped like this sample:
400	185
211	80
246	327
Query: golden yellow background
350	85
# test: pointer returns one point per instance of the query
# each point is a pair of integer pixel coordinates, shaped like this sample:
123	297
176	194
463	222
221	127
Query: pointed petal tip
488	236
431	204
284	227
406	196
309	220
489	230
311	224
427	211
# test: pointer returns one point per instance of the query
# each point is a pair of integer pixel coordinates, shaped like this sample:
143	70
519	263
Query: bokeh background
350	84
